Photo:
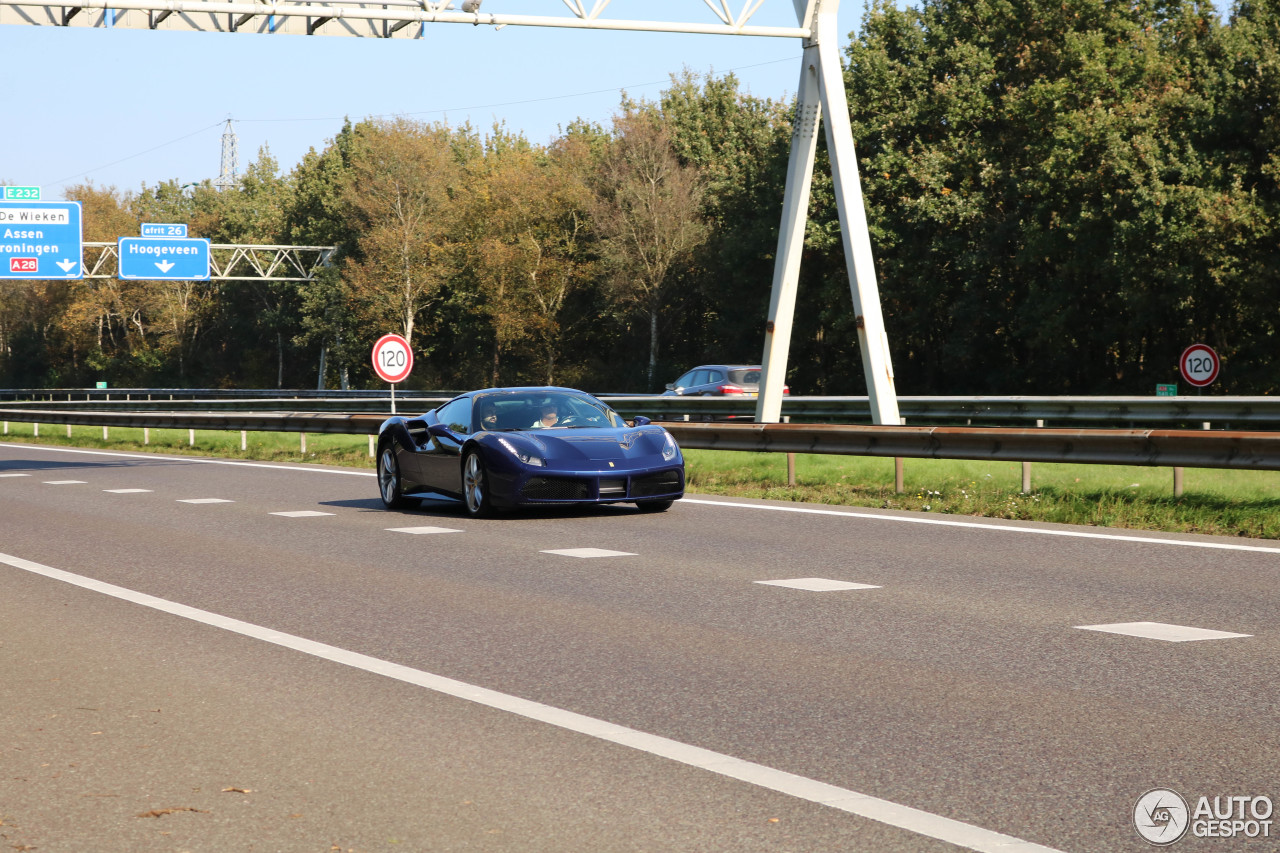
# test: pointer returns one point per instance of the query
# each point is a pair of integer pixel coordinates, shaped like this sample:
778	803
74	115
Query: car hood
604	445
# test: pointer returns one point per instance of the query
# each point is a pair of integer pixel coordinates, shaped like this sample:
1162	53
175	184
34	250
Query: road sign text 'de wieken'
40	239
163	258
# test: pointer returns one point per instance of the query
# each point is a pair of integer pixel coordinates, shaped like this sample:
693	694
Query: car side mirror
641	420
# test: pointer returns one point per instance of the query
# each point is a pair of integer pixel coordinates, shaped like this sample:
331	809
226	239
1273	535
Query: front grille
557	489
613	488
662	483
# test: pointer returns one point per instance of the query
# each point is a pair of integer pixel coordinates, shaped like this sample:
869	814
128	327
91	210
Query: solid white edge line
1079	534
883	811
196	459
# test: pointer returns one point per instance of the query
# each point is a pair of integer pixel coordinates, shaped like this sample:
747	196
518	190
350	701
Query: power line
139	154
510	103
415	113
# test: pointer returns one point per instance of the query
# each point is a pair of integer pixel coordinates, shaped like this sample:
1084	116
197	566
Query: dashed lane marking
422	530
204	501
126	491
867	516
1162	631
302	513
818	584
587	553
64	482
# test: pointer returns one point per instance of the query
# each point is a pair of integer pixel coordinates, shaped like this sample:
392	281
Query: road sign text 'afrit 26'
40	239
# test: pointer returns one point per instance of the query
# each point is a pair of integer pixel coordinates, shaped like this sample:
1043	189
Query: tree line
1062	196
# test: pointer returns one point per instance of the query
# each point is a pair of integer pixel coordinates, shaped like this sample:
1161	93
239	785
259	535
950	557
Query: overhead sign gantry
820	102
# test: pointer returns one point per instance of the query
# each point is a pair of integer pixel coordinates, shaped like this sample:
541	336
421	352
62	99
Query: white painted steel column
877	365
786	267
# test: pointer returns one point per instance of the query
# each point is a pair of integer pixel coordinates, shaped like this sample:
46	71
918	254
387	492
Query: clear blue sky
125	108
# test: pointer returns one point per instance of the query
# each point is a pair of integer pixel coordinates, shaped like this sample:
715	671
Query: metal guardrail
1171	448
1161	448
1261	412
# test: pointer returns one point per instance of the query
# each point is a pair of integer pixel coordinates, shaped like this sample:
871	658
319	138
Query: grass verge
1219	502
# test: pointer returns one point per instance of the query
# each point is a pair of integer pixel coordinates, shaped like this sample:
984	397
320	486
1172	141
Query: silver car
718	380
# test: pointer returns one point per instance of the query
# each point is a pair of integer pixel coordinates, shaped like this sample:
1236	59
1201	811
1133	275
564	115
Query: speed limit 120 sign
1199	365
392	358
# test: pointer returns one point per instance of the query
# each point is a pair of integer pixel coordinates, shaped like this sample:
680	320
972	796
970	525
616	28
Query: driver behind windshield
549	418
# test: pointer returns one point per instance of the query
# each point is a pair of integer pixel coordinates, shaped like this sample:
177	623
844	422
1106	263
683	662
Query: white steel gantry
820	101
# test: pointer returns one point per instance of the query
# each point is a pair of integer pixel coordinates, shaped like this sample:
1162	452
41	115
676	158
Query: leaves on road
157	813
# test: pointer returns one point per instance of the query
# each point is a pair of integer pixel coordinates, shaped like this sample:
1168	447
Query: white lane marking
205	501
302	513
1162	631
587	553
15	475
818	584
422	530
64	482
198	460
126	491
1079	534
884	811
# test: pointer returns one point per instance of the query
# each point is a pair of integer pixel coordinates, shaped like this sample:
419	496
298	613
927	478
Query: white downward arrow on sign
67	265
164	266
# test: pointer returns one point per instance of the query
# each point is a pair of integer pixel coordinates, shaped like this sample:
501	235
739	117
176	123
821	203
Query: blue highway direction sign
164	258
40	239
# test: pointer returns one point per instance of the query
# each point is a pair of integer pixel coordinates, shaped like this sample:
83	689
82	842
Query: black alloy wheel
390	487
475	486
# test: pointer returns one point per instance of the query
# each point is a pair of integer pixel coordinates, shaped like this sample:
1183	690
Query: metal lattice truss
228	262
395	18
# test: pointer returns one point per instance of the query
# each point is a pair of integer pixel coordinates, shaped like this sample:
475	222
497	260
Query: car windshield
745	376
507	411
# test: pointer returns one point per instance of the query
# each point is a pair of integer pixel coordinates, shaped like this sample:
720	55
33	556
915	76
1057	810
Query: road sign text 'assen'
27	234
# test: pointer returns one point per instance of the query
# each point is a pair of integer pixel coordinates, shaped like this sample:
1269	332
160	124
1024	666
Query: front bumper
534	487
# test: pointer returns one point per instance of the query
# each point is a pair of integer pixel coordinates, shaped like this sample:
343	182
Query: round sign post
1199	365
393	361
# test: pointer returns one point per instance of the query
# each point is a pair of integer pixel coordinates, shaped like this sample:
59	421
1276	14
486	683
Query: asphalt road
215	676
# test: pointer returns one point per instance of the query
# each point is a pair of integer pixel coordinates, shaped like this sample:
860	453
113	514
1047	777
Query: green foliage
1056	208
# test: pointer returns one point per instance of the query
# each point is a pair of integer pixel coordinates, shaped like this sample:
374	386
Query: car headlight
669	450
526	458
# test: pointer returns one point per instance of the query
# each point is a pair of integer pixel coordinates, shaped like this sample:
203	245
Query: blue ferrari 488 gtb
514	447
